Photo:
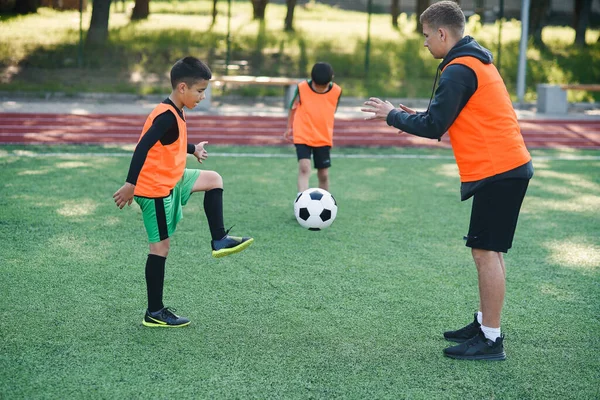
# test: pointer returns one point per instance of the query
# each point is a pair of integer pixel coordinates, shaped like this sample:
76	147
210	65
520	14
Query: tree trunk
98	32
537	19
214	12
141	10
577	7
421	6
257	59
289	17
27	6
479	9
259	7
582	15
395	12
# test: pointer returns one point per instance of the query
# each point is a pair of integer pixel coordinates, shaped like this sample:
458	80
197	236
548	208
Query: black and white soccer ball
315	209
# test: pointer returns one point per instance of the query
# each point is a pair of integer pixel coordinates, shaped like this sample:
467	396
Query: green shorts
162	214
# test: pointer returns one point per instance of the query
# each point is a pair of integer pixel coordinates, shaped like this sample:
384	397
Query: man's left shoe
229	245
478	348
464	334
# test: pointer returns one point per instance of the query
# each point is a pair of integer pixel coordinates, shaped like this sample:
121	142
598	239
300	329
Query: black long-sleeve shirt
457	84
165	130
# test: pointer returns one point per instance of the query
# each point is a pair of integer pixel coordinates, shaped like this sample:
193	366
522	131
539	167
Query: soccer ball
315	209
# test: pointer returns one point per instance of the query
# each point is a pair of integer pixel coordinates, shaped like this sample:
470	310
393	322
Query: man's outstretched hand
379	108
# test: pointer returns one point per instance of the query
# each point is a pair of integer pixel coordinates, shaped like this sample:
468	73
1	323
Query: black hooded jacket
457	84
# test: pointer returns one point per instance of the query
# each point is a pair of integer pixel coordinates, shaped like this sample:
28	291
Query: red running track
19	128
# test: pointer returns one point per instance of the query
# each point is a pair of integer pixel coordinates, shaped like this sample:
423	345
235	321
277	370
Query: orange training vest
486	137
313	121
164	165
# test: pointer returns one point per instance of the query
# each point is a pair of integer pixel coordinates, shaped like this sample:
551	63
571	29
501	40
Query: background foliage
42	53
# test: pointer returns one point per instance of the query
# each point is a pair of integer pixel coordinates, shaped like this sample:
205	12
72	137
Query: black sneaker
164	318
229	245
478	348
463	334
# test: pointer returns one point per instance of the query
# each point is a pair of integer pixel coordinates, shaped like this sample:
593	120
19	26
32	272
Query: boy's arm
157	131
160	125
291	114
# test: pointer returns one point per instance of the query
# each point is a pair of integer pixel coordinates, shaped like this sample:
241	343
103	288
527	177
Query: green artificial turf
355	311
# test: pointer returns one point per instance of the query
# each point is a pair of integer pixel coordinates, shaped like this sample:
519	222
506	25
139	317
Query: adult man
471	103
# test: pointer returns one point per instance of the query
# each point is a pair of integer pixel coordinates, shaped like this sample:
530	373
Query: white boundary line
566	157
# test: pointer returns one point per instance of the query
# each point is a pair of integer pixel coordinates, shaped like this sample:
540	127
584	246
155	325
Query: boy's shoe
478	348
229	245
164	318
464	334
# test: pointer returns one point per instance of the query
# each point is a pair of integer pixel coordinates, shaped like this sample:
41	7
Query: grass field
355	311
40	52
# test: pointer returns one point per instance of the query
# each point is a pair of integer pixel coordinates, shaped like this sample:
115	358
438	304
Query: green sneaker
229	245
164	318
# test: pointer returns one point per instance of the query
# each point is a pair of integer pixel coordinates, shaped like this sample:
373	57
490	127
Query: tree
288	25
259	7
538	12
98	32
26	6
141	10
581	20
421	6
395	12
214	12
479	9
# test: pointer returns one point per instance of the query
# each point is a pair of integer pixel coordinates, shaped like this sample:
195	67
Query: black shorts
321	157
494	214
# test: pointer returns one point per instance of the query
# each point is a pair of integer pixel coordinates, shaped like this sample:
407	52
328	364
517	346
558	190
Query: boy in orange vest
310	124
472	104
159	182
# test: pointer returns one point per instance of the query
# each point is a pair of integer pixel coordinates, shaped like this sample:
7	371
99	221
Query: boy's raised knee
217	180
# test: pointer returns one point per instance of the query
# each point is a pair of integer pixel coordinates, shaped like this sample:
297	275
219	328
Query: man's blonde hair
445	14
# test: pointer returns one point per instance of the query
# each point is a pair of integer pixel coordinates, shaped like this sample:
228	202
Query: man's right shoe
478	348
463	334
229	245
164	318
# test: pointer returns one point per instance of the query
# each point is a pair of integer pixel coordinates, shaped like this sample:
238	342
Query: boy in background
159	182
310	124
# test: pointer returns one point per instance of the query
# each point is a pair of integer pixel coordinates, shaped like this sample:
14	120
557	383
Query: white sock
479	317
491	333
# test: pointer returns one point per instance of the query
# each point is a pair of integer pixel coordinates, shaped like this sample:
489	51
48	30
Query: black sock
213	208
155	278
